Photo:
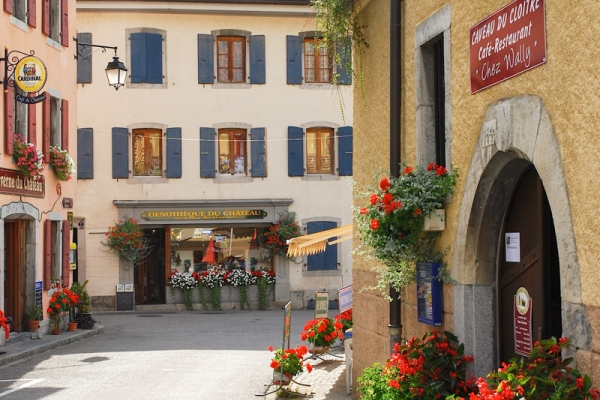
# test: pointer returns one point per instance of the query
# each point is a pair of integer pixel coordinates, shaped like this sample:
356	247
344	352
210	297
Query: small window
55	122
319	150
232	151
327	260
231	59
317	62
20	10
147	152
21	115
55	20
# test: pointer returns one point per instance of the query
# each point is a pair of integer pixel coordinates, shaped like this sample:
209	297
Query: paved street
169	355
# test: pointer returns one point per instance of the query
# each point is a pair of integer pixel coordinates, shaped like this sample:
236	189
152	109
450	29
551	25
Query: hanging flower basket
28	158
284	229
393	225
127	240
62	163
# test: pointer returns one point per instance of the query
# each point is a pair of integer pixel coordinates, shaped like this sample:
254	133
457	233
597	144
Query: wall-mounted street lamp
116	73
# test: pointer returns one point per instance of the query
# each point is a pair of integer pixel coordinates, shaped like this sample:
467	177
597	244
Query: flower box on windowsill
436	221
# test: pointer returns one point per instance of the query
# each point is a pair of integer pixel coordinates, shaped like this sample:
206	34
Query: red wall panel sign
522	321
507	43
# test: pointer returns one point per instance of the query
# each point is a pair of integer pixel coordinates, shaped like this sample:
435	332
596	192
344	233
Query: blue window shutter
345	150
295	151
84	62
206	58
326	260
208	144
120	153
138	72
294	60
259	156
85	153
344	49
257	60
154	58
173	153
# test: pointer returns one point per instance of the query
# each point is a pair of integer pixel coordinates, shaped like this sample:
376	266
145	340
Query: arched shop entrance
516	185
181	234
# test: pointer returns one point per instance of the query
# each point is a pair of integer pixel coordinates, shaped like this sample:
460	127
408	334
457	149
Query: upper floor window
55	20
319	151
147	155
310	61
231	59
229	151
55	124
432	74
147	152
240	57
22	10
147	52
232	151
317	62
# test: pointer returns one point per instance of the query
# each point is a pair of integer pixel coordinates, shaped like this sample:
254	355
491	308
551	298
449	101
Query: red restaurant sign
507	43
15	182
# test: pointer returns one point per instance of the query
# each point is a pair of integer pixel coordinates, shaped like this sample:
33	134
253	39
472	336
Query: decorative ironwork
11	59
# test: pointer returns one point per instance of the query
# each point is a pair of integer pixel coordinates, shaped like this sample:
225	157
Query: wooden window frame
319	76
319	169
230	40
145	134
231	154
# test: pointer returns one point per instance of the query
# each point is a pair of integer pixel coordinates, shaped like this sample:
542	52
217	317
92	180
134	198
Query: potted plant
60	303
430	367
213	280
288	363
346	319
28	158
83	315
544	374
33	314
265	281
127	240
240	278
186	282
322	333
391	225
62	163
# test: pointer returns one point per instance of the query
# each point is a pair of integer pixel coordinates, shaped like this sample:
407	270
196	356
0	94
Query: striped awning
318	241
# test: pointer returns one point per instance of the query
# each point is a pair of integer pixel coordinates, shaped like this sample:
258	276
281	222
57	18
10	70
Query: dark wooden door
14	287
149	275
537	271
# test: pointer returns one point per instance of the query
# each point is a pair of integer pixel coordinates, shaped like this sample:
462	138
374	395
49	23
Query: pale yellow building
511	90
227	119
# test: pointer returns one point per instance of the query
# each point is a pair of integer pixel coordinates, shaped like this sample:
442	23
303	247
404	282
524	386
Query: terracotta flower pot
33	325
320	349
280	379
55	331
72	326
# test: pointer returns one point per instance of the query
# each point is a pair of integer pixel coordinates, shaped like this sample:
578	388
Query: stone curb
31	349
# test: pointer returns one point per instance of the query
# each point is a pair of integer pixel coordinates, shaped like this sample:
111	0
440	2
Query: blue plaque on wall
429	294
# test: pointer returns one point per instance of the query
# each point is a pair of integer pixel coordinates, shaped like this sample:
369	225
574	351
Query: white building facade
227	120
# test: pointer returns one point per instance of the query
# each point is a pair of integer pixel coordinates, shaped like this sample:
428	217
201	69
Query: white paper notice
513	247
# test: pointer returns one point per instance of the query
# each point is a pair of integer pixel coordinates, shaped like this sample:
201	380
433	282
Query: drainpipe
395	326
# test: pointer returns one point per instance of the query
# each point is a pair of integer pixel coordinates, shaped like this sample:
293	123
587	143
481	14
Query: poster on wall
522	322
513	246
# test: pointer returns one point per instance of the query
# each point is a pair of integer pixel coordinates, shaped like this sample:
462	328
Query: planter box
435	221
230	297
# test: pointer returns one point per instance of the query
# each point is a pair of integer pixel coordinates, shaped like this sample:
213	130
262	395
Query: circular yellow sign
522	300
30	74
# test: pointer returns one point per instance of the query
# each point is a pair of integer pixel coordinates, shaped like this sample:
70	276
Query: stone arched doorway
516	133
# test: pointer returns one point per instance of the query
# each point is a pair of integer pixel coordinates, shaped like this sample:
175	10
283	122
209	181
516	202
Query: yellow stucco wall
567	84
